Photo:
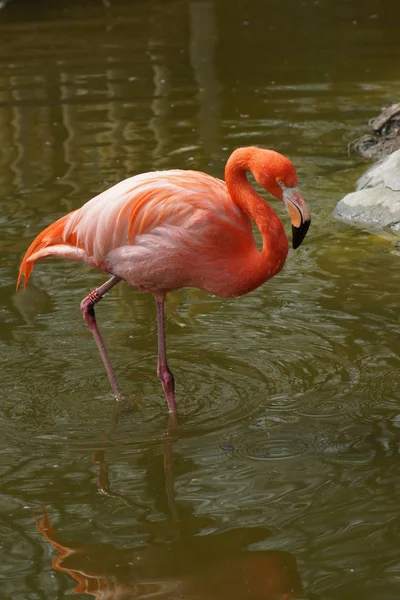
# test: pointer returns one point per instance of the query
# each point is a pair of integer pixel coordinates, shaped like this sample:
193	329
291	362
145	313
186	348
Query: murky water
282	480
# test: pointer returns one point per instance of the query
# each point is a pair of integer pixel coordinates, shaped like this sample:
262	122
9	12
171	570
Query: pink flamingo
165	230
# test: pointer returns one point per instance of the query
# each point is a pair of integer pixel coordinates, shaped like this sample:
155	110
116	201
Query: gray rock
386	172
377	200
378	207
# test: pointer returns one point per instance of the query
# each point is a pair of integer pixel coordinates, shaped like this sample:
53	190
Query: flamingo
164	230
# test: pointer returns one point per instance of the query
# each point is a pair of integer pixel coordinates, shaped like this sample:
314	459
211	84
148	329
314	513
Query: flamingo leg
163	372
87	308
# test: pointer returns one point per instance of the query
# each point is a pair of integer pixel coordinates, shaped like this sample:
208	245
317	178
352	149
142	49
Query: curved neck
275	243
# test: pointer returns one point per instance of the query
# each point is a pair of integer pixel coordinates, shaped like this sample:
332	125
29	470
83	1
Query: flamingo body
165	230
161	231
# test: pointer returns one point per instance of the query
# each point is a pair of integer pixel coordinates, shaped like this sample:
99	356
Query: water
282	479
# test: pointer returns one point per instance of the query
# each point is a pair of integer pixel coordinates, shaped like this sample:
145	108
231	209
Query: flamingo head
277	175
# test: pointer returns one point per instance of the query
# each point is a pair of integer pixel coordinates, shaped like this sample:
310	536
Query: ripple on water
380	381
276	447
213	392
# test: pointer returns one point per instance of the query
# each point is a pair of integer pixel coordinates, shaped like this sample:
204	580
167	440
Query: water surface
282	480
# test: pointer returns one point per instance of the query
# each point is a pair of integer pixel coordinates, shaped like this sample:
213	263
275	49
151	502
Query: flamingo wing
143	223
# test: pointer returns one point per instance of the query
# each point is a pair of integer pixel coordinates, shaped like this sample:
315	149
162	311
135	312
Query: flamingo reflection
185	564
209	566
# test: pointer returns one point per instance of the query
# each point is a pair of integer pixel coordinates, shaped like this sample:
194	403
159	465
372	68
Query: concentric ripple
276	447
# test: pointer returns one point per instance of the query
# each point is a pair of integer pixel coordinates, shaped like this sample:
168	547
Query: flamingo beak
299	215
299	233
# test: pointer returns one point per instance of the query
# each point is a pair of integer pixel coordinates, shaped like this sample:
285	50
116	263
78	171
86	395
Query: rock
369	146
376	201
378	207
386	172
381	124
385	136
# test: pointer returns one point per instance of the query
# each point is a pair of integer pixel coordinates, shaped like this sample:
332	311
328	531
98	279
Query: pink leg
163	372
87	308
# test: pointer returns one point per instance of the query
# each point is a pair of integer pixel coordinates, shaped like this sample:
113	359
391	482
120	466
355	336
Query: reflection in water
37	301
202	57
100	458
300	380
213	566
208	567
160	106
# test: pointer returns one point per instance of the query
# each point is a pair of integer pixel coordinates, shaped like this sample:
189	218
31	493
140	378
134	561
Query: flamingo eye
280	182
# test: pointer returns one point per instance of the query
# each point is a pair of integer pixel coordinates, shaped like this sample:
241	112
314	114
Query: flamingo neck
274	239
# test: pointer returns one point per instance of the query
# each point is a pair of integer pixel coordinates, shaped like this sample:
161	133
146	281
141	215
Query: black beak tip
299	233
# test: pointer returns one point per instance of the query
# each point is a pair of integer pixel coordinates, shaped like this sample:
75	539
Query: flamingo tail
49	242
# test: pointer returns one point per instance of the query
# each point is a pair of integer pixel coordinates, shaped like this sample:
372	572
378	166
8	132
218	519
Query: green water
282	480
